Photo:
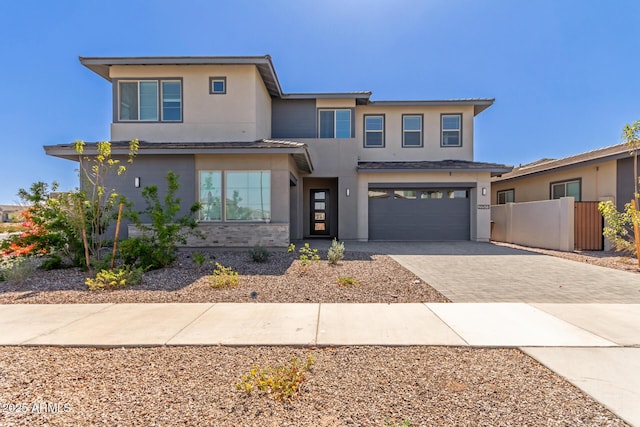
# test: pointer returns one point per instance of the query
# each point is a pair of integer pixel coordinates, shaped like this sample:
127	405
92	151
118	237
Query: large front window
150	100
244	195
334	124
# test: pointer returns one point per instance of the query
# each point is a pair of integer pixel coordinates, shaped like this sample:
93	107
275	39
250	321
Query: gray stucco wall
624	180
293	118
152	170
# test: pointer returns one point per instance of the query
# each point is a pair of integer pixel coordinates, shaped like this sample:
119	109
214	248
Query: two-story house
270	167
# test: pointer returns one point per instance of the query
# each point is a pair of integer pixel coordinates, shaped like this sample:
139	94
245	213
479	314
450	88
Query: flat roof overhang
298	151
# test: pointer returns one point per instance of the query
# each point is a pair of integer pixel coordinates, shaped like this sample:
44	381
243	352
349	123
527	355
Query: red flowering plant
29	242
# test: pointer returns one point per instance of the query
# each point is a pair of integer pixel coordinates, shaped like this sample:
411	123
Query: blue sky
565	73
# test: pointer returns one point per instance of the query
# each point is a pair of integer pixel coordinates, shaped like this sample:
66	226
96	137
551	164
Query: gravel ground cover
358	386
280	280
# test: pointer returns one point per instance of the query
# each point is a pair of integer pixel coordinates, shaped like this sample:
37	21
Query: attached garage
419	213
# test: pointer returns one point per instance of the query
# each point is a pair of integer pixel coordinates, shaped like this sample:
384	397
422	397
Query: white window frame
443	130
421	131
213	80
380	131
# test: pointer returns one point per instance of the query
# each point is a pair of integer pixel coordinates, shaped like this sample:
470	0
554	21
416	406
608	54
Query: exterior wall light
348	192
484	191
136	182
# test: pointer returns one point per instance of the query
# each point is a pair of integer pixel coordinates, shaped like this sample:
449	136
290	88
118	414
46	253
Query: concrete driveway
484	272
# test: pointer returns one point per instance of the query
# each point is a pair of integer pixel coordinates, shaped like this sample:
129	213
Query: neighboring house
10	212
602	174
269	167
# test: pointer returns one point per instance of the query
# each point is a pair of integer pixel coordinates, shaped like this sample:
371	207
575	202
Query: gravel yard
366	386
280	280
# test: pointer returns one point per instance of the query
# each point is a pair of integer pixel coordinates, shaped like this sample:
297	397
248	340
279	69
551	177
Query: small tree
157	247
619	225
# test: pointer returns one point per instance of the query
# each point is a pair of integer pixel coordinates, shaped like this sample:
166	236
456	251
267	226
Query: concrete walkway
479	325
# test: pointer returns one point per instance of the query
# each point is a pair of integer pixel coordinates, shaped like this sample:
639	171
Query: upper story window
150	100
217	85
506	196
412	130
374	130
571	188
451	125
334	123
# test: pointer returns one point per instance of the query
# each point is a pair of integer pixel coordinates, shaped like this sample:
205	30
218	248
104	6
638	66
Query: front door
319	212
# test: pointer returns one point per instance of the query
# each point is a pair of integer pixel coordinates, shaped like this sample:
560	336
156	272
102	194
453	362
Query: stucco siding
431	149
263	108
293	118
206	117
597	182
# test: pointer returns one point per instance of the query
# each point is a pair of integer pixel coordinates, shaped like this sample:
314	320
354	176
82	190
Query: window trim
222	79
159	81
335	110
421	131
442	130
383	131
512	190
565	182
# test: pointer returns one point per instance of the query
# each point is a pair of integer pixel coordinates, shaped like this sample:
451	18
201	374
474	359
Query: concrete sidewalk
588	344
465	324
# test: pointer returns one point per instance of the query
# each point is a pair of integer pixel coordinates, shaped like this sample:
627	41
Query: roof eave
100	65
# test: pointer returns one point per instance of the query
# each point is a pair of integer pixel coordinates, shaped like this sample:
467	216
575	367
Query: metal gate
587	227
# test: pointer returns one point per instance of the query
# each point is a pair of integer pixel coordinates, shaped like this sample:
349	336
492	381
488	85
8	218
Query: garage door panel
419	219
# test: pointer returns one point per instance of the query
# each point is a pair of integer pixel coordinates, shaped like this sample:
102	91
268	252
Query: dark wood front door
320	212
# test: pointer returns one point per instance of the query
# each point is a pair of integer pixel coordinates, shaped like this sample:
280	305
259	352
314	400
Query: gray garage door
419	214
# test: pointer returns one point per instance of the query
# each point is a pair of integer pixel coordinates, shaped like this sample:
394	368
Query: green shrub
224	277
348	281
259	254
158	247
52	262
117	278
17	269
281	382
336	252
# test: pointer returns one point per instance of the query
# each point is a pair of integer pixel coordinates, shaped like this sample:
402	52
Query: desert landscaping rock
280	280
360	386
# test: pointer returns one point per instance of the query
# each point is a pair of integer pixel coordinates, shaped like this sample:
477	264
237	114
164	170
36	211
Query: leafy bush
117	278
619	226
308	255
259	254
158	245
336	252
17	269
348	281
281	382
224	277
52	262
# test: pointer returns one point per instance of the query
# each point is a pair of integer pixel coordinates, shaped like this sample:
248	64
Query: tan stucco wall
238	115
598	181
278	164
335	103
431	150
545	224
263	108
480	213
